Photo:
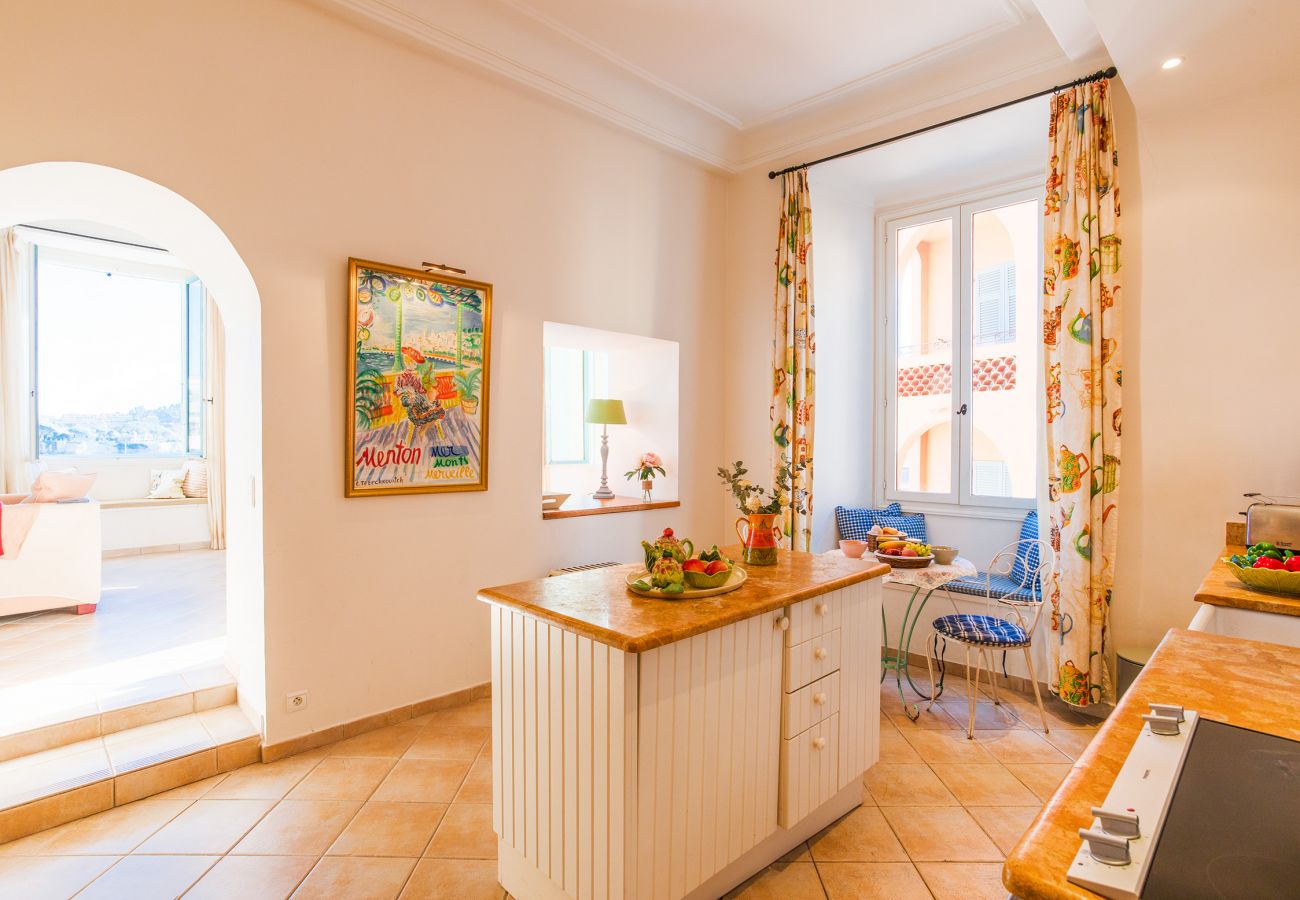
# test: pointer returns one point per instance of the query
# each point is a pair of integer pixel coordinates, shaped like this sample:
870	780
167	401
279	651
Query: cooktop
1233	825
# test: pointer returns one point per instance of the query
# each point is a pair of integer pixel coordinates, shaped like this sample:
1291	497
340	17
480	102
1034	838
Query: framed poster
418	349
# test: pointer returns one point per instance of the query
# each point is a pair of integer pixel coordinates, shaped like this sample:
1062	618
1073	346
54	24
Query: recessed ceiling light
1172	62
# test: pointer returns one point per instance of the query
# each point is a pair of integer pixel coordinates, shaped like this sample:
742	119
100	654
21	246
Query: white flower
754	504
785	498
744	485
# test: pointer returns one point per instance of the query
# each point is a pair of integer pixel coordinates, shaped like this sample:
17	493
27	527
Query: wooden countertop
1245	683
1221	588
598	604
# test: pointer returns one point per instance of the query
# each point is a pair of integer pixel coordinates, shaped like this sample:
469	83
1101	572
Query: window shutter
988	305
1010	327
992	478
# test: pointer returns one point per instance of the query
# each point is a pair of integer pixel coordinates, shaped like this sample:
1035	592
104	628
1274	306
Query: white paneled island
647	748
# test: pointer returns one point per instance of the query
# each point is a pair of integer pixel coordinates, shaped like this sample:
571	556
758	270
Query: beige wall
1210	334
308	140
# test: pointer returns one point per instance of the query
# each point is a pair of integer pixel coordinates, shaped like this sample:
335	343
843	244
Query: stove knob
1118	824
1169	710
1106	848
1162	724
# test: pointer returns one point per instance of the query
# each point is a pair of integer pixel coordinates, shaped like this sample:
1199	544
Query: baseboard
157	548
305	742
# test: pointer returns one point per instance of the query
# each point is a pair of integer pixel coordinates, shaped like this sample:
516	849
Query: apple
695	565
717	566
907	551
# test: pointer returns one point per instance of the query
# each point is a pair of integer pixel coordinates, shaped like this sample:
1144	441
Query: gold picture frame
419	348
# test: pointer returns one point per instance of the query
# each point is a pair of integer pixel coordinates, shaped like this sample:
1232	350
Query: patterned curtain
1082	357
793	353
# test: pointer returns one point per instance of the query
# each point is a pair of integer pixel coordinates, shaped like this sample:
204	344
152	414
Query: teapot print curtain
1082	347
793	355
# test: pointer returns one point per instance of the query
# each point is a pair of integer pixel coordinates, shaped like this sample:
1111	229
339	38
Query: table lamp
606	413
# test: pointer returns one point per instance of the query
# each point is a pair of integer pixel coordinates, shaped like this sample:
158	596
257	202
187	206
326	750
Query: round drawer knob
819	699
819	743
819	653
783	623
822	609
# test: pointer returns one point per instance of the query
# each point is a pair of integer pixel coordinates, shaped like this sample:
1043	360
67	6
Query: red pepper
1268	562
1293	564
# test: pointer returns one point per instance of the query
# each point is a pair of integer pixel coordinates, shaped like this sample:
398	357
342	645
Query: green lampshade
606	412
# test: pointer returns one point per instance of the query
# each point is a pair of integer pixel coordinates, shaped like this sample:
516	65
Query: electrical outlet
295	702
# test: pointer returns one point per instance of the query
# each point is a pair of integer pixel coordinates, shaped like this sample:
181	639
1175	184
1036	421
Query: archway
94	193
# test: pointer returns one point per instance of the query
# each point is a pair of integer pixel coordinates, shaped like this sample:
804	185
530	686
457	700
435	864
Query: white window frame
960	208
588	378
88	252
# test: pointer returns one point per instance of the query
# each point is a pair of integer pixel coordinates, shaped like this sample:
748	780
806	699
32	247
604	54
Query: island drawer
810	704
810	618
809	771
806	662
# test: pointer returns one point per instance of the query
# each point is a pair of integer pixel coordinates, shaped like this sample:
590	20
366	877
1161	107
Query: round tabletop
932	576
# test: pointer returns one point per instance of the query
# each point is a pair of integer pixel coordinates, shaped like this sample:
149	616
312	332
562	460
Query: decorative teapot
680	549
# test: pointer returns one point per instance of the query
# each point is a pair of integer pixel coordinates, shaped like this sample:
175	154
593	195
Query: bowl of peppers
1267	568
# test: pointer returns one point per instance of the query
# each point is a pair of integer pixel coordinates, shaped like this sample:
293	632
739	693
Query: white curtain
214	424
15	364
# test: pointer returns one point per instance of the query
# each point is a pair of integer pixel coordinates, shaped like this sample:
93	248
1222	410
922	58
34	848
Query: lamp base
603	494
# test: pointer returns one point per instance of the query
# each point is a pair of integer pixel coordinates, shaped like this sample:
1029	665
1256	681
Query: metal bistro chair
1014	579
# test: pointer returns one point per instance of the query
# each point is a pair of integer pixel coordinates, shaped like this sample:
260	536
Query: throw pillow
166	484
51	487
911	524
1027	551
196	478
854	522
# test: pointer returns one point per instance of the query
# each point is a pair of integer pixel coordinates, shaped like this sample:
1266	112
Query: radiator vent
586	567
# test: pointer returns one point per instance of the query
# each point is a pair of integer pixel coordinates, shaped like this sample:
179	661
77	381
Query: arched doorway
94	193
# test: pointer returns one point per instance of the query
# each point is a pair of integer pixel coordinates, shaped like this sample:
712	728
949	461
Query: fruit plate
905	562
1277	581
736	581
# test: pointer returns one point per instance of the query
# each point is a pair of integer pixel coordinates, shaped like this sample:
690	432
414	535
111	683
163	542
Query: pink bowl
853	549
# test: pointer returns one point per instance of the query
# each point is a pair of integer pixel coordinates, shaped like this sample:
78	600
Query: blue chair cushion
1026	561
998	585
985	630
854	522
911	524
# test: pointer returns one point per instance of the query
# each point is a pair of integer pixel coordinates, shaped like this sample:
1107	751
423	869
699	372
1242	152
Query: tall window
119	358
572	378
961	405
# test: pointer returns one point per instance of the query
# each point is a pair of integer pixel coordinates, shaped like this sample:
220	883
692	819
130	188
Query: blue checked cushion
911	524
854	522
1027	551
997	586
988	630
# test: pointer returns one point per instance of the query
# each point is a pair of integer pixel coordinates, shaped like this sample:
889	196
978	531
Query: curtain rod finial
771	174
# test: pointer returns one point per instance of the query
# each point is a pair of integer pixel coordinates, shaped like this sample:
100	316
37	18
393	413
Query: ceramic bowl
701	581
943	555
1278	581
853	549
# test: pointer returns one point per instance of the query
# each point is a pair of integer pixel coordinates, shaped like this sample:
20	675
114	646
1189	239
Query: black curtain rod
1095	76
91	237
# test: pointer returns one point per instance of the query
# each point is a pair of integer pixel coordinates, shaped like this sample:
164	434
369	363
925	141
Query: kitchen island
1244	683
647	748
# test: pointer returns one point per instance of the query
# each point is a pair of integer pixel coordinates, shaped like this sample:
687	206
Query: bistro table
929	579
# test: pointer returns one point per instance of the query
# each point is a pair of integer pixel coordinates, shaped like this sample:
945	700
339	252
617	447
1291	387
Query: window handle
962	410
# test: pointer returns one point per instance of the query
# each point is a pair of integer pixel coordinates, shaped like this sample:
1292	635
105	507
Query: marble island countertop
1221	588
598	604
1246	683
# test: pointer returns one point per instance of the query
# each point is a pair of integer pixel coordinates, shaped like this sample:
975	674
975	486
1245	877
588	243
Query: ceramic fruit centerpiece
680	549
708	570
759	534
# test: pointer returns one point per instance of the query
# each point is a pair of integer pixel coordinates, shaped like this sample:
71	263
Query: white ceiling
751	60
739	83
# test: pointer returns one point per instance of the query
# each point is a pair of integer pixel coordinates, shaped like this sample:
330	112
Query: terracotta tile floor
160	614
401	811
939	813
405	811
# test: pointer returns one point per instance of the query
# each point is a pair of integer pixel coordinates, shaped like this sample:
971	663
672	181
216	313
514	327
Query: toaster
1273	519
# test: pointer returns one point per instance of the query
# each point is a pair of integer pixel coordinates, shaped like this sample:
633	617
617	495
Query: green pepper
1241	561
1274	554
1287	554
1260	548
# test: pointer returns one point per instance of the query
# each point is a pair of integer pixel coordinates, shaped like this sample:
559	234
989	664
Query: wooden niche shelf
586	505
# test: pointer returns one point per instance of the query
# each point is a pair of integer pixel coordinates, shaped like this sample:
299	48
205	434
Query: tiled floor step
41	718
46	788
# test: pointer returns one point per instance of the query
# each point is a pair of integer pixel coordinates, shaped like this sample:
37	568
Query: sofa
51	558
